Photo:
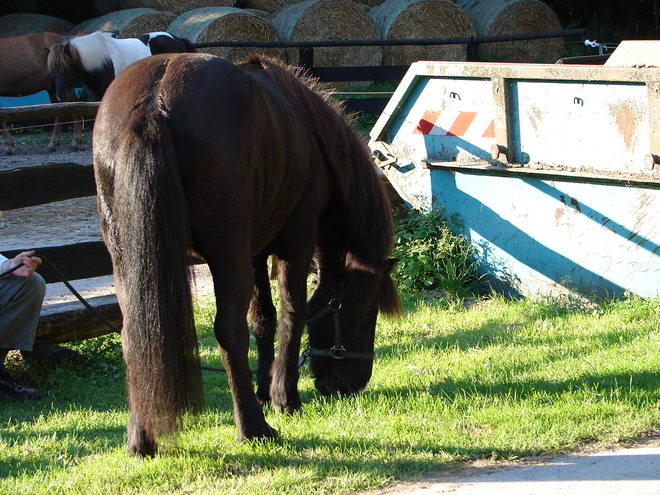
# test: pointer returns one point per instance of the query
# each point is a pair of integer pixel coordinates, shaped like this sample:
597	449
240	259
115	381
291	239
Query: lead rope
96	313
70	287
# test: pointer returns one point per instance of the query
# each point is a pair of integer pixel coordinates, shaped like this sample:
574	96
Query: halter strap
337	351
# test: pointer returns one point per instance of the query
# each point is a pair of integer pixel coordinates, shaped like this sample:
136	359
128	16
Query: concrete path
633	470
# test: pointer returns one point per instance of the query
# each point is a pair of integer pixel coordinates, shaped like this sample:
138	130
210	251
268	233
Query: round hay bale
266	16
84	26
330	20
18	24
370	3
128	23
497	17
176	6
422	19
270	6
106	6
211	24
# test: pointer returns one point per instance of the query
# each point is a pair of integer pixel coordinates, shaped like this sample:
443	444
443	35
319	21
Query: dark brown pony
233	163
24	71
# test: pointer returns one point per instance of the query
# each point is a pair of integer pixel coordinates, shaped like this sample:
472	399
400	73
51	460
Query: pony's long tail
147	229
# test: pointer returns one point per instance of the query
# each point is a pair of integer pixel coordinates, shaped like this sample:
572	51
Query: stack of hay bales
176	6
128	23
18	24
330	20
498	17
422	19
211	24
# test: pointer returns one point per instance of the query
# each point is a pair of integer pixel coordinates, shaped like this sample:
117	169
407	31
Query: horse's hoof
7	152
265	433
73	148
51	149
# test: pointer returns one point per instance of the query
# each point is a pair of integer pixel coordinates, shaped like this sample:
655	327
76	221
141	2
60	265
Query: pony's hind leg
140	443
263	317
233	289
9	142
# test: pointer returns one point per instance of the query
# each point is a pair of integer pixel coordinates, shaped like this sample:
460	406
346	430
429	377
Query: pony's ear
389	264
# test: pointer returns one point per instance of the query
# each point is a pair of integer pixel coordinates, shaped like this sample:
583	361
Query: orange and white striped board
467	125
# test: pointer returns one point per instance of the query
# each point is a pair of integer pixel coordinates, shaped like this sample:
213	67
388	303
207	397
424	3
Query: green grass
502	380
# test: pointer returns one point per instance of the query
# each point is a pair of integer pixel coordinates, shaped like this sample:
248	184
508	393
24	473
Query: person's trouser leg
20	306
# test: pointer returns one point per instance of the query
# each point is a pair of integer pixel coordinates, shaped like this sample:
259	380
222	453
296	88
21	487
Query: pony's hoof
7	152
73	148
51	149
267	432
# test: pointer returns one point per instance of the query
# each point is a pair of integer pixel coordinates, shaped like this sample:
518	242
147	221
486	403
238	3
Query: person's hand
30	263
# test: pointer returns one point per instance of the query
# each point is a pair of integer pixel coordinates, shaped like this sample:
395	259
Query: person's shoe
12	390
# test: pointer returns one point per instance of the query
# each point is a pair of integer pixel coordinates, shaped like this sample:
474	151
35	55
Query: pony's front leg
57	133
292	279
263	317
9	142
76	141
233	336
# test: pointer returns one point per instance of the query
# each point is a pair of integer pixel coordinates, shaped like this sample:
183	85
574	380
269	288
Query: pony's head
63	63
80	59
342	324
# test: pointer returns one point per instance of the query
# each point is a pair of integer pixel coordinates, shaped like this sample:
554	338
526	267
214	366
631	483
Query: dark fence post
472	54
306	58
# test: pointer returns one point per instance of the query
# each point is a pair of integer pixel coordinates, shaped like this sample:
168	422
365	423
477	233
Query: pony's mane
366	211
93	49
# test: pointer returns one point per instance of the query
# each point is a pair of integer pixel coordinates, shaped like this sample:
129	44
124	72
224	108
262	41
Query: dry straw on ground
422	19
128	23
176	6
18	24
330	20
226	24
497	17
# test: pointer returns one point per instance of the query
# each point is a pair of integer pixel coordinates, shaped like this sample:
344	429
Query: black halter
337	351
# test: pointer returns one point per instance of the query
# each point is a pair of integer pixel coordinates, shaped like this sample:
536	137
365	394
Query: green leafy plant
433	255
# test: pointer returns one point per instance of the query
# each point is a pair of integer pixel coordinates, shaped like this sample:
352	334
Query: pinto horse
96	59
233	163
24	71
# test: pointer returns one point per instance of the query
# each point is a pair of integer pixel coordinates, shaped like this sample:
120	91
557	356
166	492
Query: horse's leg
263	317
233	290
139	441
55	138
292	277
76	142
9	142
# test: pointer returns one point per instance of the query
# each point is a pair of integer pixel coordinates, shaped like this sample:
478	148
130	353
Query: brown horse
234	163
24	71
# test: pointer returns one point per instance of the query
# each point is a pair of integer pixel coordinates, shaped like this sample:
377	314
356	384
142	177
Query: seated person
21	295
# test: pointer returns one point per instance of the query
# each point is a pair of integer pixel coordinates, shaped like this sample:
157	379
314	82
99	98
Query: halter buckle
337	352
